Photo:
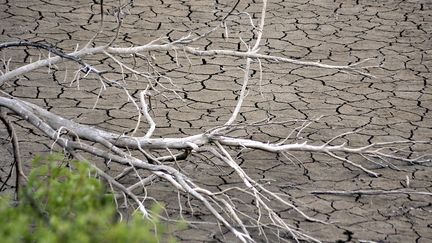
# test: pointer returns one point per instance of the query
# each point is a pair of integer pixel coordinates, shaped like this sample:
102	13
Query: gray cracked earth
396	105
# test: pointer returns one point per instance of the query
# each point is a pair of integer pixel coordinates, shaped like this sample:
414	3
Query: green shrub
63	205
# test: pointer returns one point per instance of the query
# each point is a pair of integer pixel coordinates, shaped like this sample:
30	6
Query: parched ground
395	36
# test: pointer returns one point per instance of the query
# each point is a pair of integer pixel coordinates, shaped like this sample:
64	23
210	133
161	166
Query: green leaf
60	204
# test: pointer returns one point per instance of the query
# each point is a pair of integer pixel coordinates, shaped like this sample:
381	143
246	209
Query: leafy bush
63	205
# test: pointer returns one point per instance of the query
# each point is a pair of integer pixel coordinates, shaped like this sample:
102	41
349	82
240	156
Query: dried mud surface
396	105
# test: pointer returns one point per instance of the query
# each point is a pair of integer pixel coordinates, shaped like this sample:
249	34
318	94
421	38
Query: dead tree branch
372	192
142	155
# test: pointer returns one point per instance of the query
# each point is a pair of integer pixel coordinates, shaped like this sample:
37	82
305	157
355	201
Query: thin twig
19	173
371	192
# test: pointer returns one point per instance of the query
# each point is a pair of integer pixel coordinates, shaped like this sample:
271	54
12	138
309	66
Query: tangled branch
82	140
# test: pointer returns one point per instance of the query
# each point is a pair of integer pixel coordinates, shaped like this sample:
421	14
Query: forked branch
142	155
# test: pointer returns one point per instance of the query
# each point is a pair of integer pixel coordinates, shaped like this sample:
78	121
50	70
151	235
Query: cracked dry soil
396	105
